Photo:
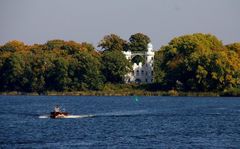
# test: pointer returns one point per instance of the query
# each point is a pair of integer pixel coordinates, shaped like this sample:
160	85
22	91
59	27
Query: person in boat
57	113
57	108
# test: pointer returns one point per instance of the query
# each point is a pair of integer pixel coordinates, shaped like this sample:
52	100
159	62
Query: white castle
142	73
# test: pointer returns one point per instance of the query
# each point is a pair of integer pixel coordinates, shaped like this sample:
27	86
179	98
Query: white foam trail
43	116
78	116
69	116
123	113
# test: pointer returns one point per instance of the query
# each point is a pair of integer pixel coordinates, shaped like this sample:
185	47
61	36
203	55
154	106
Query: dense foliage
138	42
115	66
197	62
57	65
112	42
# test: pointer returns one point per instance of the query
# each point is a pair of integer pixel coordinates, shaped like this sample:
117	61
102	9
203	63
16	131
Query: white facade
142	73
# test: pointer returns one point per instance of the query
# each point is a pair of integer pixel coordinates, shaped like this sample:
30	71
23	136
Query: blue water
121	122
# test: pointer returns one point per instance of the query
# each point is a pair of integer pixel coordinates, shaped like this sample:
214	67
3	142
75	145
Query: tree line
197	62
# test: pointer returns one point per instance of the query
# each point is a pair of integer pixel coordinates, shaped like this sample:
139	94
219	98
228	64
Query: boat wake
123	113
68	116
44	116
79	116
109	114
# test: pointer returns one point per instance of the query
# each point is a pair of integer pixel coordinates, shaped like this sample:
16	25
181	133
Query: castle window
137	72
142	73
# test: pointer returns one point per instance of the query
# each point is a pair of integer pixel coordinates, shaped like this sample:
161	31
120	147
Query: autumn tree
56	66
199	62
234	47
13	46
53	44
112	42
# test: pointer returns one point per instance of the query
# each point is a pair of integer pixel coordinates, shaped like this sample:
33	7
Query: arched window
137	59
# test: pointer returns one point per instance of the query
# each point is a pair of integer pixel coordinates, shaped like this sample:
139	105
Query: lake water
120	122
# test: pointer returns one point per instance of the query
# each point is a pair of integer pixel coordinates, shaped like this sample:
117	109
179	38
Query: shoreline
114	93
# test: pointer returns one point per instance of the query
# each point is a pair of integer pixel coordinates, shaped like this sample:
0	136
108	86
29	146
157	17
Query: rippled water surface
120	122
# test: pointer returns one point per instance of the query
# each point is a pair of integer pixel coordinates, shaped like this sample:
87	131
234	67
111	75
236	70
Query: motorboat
58	114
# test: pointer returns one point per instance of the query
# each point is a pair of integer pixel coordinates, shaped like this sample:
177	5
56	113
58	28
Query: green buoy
136	98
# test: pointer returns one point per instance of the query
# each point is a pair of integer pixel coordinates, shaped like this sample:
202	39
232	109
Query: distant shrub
231	92
173	93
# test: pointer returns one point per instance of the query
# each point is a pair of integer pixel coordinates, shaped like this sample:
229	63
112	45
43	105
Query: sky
37	21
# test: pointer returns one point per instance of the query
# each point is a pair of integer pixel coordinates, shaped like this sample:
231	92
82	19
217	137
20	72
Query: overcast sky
36	21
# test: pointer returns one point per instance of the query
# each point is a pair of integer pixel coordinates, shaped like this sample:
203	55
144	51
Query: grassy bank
128	90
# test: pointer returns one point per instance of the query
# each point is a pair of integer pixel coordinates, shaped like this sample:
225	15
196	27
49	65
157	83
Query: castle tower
142	73
149	64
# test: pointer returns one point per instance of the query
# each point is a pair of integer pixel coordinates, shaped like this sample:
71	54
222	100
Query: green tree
158	72
115	66
57	77
12	73
86	72
38	64
138	42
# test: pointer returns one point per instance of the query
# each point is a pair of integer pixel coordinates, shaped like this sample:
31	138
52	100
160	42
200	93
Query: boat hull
58	114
